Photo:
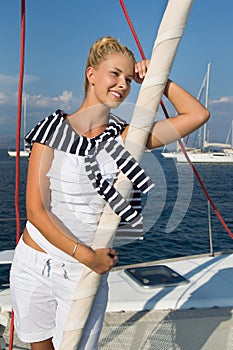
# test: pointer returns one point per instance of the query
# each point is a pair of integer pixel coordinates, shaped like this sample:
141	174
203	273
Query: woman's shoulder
115	119
45	127
118	123
124	132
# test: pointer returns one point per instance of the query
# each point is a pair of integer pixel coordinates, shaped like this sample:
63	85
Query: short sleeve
45	128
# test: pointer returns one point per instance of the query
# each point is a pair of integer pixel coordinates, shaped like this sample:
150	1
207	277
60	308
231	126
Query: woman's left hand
140	70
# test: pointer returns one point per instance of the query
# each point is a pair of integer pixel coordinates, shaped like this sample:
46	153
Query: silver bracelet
75	248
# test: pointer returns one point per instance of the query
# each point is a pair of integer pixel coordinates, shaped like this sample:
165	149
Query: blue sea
175	211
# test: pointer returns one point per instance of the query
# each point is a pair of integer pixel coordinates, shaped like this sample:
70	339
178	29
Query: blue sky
60	32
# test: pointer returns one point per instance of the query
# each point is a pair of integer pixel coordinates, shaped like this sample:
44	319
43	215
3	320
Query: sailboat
173	154
22	153
206	152
26	147
210	153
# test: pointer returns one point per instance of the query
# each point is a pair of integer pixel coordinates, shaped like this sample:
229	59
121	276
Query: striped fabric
128	165
56	132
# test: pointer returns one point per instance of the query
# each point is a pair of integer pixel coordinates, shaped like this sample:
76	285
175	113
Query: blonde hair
100	51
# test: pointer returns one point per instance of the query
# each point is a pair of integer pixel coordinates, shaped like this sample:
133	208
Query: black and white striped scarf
56	132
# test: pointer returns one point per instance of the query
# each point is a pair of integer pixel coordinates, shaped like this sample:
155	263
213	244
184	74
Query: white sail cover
169	34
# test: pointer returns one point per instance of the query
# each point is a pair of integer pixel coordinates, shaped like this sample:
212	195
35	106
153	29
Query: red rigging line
180	142
205	190
139	46
18	125
17	159
132	29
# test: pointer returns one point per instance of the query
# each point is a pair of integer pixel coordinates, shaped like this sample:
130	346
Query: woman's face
111	80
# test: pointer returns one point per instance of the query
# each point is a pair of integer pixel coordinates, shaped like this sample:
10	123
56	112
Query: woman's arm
191	115
39	214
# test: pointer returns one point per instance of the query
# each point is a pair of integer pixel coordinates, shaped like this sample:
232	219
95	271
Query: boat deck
194	315
206	329
209	284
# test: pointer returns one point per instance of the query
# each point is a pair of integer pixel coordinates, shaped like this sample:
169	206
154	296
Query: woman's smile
116	94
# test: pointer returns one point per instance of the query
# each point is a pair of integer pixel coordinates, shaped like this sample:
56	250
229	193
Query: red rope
132	29
18	135
180	142
139	46
18	124
205	190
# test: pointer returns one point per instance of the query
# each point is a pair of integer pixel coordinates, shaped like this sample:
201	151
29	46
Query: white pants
42	289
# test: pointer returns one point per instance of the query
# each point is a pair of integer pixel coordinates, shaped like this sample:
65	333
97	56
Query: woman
65	198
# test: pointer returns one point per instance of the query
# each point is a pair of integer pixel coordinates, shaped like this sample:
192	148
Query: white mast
24	120
206	103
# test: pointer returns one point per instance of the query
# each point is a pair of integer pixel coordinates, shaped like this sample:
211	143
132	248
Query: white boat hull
169	154
206	157
21	153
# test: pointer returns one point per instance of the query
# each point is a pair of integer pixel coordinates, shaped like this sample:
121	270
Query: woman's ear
90	74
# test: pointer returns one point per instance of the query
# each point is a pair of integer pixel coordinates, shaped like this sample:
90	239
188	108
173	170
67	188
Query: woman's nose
122	82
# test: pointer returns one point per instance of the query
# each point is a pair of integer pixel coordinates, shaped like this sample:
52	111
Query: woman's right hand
140	70
100	260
